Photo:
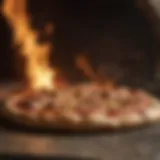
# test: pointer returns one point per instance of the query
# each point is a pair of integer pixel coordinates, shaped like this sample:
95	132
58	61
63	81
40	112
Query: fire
83	64
37	70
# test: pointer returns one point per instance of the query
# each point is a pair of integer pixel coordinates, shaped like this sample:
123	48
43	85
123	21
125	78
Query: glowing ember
38	72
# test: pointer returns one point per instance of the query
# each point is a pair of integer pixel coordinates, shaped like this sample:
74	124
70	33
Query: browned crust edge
63	124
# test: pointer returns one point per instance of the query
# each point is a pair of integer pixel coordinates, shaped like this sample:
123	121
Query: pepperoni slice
25	105
113	113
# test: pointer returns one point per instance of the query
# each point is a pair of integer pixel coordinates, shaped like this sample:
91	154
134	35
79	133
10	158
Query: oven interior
118	38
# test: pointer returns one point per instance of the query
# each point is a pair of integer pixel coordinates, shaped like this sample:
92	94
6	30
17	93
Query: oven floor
138	144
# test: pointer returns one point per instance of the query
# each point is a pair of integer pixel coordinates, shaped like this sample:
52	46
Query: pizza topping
45	96
77	93
112	104
98	118
49	106
113	95
124	103
25	105
51	94
113	113
87	106
124	94
78	104
153	112
104	95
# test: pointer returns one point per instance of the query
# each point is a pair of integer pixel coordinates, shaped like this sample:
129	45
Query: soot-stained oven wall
109	33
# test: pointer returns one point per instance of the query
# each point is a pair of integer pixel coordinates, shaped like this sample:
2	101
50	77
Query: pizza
83	107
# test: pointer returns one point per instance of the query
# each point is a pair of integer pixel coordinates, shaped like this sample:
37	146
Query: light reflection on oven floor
137	144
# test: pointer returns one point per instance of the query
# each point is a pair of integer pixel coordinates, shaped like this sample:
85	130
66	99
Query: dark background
109	32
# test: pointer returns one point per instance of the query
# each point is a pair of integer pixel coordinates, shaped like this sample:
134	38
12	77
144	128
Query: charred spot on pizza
25	105
49	106
77	93
104	95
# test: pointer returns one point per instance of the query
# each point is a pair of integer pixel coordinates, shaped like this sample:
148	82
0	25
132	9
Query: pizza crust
85	125
153	113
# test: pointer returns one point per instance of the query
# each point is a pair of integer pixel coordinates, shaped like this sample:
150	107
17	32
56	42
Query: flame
37	69
83	64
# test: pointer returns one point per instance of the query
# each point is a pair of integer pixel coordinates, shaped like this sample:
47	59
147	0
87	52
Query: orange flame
37	70
83	64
